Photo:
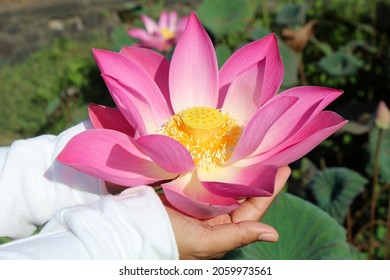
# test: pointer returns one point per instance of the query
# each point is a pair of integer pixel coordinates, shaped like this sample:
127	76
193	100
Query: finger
253	209
226	237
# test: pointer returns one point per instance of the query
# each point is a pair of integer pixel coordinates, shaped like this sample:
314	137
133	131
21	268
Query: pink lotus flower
162	36
208	138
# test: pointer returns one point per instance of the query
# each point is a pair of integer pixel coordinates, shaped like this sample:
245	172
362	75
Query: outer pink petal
109	118
127	107
258	126
154	63
245	90
240	182
193	77
312	100
316	131
249	55
167	153
112	156
137	80
150	25
188	195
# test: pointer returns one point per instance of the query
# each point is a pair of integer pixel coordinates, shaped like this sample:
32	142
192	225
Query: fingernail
269	237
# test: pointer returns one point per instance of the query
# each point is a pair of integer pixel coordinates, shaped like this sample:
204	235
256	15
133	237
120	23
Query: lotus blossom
162	36
382	119
209	138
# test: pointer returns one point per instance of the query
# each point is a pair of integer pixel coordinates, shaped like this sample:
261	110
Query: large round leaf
224	17
334	190
305	233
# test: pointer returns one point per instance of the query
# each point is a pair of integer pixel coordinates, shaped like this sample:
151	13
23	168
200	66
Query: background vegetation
337	202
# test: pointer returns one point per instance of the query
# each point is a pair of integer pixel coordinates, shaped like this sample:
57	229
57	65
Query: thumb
236	235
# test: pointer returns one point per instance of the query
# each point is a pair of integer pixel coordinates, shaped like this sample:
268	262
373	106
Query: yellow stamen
208	134
167	34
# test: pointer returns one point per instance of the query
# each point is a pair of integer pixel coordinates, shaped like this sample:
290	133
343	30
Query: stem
387	241
266	22
374	192
349	226
301	70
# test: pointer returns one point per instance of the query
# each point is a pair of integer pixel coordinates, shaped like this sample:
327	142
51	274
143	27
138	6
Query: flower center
167	34
207	133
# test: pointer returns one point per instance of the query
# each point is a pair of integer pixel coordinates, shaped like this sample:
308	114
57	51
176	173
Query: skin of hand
213	238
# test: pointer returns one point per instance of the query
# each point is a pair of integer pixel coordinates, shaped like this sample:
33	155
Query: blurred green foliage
335	43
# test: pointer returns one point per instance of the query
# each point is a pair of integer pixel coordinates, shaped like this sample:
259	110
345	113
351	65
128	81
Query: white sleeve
33	185
132	225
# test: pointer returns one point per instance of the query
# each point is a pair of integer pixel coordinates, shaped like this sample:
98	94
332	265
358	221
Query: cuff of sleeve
132	225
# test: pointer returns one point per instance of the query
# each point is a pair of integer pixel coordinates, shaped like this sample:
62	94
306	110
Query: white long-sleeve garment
85	222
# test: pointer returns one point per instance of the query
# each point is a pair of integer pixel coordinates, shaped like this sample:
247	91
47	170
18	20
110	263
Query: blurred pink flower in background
208	137
162	36
382	116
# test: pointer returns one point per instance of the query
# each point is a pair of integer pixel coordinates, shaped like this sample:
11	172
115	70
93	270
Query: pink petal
181	26
163	21
167	153
127	108
150	25
189	196
140	34
154	63
172	22
312	100
313	133
258	126
109	118
240	182
245	90
193	77
249	55
111	156
135	79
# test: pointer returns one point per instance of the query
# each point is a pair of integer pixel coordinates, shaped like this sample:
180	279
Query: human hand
213	238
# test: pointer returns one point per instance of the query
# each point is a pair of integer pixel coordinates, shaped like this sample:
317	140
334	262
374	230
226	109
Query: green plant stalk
386	254
374	193
266	21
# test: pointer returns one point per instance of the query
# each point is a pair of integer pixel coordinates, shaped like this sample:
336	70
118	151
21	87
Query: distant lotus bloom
383	116
210	138
162	36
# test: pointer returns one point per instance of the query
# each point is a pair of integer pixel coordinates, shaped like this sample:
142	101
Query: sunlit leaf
258	31
223	53
53	106
4	240
340	64
305	233
223	17
290	61
334	190
120	38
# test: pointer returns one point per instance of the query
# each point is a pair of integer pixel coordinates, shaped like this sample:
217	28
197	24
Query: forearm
132	225
33	186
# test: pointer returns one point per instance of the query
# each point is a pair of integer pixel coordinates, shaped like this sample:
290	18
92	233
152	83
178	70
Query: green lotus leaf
224	17
305	233
334	190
